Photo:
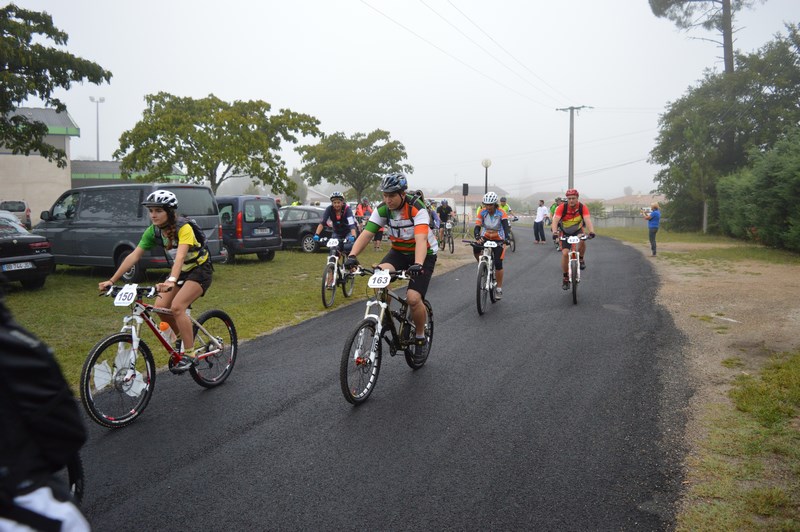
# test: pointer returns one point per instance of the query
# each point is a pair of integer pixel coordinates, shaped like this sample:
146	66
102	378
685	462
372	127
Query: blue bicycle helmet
394	182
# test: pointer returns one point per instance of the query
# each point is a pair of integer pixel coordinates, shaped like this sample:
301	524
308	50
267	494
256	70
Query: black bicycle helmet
394	182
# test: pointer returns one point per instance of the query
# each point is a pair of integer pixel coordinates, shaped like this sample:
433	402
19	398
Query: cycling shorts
200	274
401	261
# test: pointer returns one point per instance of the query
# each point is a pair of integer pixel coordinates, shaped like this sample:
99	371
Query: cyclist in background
492	224
506	207
414	245
553	207
436	222
339	217
363	211
190	273
570	218
445	212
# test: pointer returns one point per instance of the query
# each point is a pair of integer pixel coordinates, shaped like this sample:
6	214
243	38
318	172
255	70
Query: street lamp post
486	164
97	102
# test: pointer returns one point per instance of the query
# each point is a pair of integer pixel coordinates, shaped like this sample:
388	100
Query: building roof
57	123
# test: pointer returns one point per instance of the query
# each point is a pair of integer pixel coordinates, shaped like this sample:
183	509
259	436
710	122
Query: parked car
101	225
24	257
250	224
20	209
298	225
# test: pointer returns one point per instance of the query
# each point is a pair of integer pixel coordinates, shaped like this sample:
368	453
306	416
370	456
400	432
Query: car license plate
262	231
18	266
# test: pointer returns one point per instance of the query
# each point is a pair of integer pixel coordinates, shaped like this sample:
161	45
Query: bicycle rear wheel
348	282
492	285
71	476
428	335
212	370
117	383
574	267
328	284
482	292
360	364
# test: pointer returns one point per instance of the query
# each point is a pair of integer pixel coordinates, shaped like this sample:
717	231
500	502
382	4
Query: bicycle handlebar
141	291
395	275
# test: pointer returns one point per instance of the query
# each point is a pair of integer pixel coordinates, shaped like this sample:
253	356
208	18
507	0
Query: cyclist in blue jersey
492	224
339	217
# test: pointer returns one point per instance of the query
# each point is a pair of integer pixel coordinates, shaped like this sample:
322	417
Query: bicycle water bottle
167	332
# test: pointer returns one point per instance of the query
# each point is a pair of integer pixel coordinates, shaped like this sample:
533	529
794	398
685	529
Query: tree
33	69
628	191
693	141
709	14
301	190
357	161
212	140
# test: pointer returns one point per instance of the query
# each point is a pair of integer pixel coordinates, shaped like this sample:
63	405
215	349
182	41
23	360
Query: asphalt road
538	415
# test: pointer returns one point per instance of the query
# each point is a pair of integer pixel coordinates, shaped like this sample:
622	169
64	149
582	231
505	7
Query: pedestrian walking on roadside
653	219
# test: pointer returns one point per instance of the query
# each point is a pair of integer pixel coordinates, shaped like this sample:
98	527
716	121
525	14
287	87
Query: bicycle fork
574	258
126	358
358	354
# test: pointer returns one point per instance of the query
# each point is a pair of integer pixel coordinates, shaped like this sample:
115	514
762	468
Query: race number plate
333	242
126	296
379	279
448	225
573	240
490	244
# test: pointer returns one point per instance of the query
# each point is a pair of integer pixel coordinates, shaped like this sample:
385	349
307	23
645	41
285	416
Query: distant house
632	202
474	198
33	178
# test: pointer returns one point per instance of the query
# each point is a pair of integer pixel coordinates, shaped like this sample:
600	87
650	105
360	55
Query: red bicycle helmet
572	192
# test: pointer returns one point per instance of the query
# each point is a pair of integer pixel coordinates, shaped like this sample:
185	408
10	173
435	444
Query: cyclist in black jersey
339	217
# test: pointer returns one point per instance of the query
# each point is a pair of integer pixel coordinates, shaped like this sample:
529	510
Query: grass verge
747	473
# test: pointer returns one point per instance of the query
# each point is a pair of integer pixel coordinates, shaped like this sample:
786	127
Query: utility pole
572	110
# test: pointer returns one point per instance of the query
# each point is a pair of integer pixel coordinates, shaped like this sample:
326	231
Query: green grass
724	249
747	476
70	317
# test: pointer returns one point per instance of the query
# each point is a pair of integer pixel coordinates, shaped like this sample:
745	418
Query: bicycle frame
573	256
140	313
382	300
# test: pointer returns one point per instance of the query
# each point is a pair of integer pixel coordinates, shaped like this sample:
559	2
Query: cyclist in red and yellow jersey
406	222
570	218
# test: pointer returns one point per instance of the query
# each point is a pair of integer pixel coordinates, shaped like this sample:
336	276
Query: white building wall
33	179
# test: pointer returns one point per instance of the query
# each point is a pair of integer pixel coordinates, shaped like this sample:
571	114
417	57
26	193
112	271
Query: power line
452	56
490	54
509	53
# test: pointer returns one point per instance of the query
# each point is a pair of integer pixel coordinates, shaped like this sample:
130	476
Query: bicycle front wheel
513	241
348	282
116	381
482	293
416	364
217	336
451	243
492	285
361	363
574	267
328	284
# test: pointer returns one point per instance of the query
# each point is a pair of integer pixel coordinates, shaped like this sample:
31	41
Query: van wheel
229	255
135	274
266	255
308	244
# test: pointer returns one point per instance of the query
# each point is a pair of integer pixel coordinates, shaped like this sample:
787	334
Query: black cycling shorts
200	274
401	261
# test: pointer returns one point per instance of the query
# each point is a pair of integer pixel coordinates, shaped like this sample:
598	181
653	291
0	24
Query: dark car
298	225
24	257
250	224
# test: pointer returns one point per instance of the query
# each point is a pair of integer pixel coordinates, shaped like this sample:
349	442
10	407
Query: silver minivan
101	225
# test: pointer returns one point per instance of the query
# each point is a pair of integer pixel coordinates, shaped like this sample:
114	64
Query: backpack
413	201
566	206
199	235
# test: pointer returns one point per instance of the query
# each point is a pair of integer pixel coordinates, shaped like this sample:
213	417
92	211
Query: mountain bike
335	274
447	237
119	375
573	266
486	273
363	350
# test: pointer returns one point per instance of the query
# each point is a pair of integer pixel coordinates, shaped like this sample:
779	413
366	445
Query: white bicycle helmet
489	198
337	194
161	198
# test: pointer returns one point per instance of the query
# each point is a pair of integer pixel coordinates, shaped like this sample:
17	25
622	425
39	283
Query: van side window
226	214
258	211
110	205
66	207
